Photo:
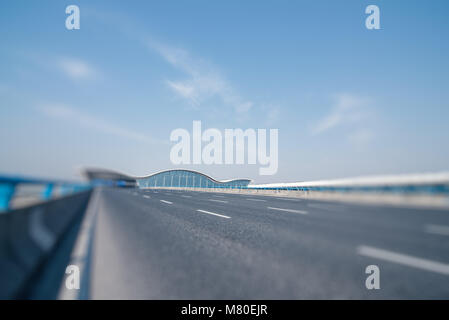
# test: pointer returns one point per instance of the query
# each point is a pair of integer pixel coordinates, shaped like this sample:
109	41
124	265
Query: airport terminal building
181	178
174	178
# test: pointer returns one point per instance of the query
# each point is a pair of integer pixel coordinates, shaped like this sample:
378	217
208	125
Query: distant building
181	178
174	178
104	177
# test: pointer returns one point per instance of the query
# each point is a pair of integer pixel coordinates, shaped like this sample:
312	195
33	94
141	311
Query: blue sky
347	101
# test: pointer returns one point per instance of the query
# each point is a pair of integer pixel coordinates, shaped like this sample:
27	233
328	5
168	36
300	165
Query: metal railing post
6	193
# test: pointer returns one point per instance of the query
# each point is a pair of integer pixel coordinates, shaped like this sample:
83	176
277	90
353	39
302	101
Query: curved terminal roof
106	174
195	172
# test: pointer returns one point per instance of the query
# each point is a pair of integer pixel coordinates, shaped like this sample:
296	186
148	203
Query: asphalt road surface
159	244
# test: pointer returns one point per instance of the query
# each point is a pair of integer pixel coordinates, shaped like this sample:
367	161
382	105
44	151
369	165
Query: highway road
159	244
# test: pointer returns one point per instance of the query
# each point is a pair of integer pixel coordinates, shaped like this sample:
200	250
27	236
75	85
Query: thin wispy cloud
187	91
74	116
203	81
349	116
76	68
348	110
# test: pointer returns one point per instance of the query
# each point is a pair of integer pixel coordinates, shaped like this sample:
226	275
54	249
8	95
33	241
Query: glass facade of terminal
188	179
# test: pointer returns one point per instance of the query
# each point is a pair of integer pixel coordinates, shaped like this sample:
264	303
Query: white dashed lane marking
288	199
288	210
221	201
437	229
404	259
261	200
327	207
214	214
